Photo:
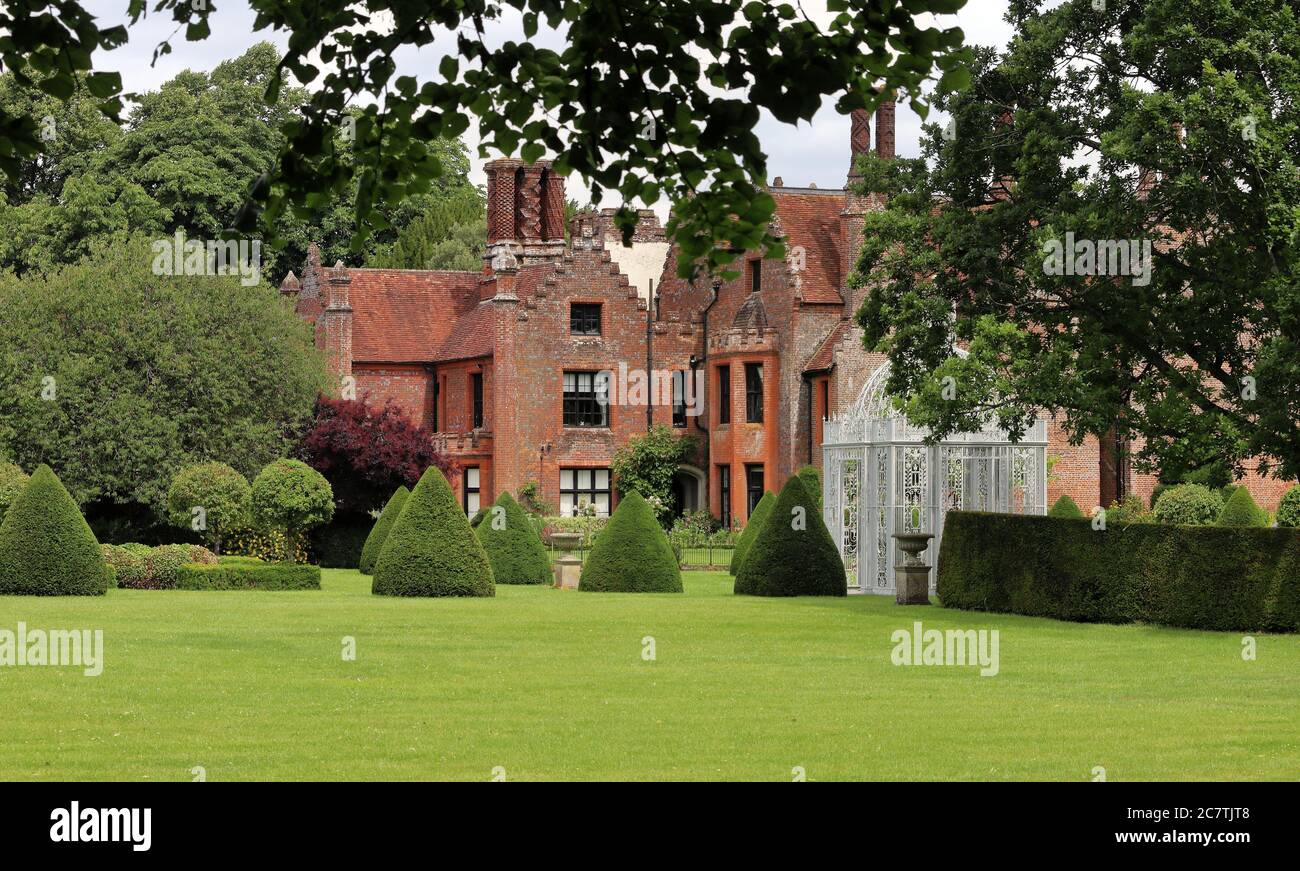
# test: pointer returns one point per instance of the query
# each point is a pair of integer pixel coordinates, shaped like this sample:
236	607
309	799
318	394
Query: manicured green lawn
549	684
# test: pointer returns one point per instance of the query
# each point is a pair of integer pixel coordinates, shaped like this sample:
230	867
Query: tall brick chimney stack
525	211
337	325
885	128
859	140
311	273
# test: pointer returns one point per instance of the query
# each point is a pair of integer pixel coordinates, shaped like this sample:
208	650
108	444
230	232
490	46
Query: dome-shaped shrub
746	537
46	546
379	532
431	551
513	546
1189	505
1288	510
291	496
632	553
793	553
1067	508
1241	510
127	566
162	566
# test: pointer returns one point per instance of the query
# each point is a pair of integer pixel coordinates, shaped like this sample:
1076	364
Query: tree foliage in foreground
648	97
1202	360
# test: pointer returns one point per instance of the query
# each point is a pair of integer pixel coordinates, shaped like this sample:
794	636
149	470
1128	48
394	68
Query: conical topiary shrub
46	546
379	532
746	537
631	554
431	551
513	546
1241	510
793	553
1067	508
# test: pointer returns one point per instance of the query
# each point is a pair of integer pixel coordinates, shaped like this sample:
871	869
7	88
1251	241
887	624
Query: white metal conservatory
880	477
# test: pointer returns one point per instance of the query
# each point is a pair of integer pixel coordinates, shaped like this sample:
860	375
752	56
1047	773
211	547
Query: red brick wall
409	384
1075	470
543	349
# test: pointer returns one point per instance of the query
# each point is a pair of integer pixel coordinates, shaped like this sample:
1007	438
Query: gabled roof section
405	315
752	315
810	218
824	357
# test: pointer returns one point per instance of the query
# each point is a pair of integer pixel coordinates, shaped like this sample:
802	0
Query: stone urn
912	578
567	566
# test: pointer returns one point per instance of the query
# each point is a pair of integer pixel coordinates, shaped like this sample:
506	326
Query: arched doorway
688	490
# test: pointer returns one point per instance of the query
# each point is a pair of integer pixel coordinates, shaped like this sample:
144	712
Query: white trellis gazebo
880	477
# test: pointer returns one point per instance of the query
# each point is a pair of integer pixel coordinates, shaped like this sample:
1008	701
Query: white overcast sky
816	152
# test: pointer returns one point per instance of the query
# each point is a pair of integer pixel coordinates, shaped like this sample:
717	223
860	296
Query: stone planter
567	567
912	578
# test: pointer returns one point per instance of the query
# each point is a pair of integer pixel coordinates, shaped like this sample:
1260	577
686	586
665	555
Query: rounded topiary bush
162	566
12	481
1189	505
1288	510
1067	508
513	546
127	566
793	553
1241	510
746	537
379	532
431	551
46	546
632	553
291	496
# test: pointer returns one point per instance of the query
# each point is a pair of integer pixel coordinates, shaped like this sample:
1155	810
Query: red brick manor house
503	364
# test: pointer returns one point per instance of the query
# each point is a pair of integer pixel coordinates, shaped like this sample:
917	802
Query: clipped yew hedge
46	546
431	551
793	553
379	532
241	573
1196	577
513	546
632	553
750	532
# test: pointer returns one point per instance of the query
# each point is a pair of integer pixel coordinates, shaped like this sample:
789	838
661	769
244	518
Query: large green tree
1166	122
184	161
120	378
649	97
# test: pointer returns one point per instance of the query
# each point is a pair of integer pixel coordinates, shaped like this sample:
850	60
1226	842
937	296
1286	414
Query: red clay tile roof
404	316
824	356
474	333
810	218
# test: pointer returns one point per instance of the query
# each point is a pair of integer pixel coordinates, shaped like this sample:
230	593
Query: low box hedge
1197	577
245	573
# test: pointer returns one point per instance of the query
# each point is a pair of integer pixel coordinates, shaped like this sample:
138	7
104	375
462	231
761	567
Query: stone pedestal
912	578
567	567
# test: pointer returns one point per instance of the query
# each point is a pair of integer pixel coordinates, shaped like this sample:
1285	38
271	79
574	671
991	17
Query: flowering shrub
266	545
127	566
